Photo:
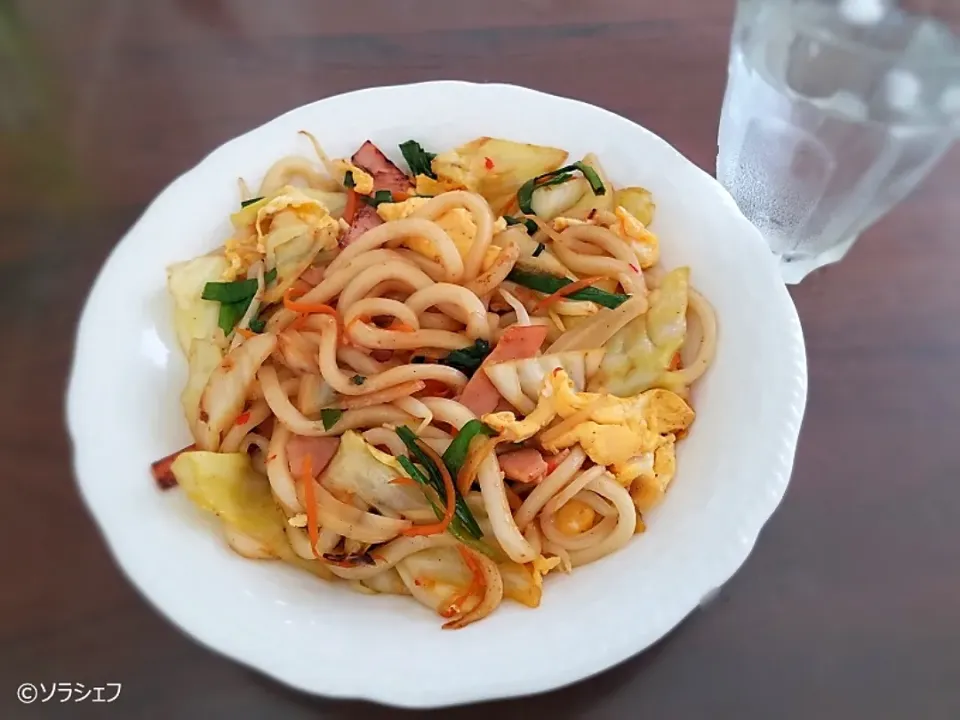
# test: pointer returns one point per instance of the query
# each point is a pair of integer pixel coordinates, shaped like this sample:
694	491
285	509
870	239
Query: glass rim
945	60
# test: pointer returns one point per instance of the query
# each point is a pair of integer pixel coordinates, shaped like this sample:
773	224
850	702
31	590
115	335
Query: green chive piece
549	284
330	417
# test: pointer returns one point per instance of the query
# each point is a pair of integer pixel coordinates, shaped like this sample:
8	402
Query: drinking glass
834	111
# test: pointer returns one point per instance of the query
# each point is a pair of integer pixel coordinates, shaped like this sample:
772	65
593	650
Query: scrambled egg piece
457	223
605	444
241	252
264	226
614	431
428	186
298	521
363	181
648	490
562	223
457	170
308	210
644	243
541	567
635	467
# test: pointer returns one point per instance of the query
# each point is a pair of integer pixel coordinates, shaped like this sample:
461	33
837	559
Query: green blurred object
34	153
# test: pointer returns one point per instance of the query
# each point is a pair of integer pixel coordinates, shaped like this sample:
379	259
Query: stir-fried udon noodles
445	383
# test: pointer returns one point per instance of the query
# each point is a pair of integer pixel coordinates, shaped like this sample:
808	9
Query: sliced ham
503	406
386	175
527	465
313	275
365	219
320	450
517	343
161	468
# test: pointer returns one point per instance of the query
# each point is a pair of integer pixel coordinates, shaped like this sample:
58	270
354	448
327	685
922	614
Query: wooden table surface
850	605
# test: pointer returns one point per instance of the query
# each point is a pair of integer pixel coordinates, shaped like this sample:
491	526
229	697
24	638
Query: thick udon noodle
393	307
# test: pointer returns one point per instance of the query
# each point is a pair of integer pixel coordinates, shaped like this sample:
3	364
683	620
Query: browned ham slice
386	175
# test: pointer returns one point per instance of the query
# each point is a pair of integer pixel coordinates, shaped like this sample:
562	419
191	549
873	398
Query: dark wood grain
850	605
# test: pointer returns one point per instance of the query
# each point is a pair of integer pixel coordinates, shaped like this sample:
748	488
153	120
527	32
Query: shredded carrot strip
675	361
400	196
477	585
435	388
246	333
310	500
399	326
290	303
449	489
353	205
302	286
564	291
403	481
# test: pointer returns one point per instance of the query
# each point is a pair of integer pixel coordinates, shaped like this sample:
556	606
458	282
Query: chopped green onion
380	196
525	193
358	379
234	298
251	201
435	480
539	249
230	292
258	324
418	159
531	226
348	181
231	313
456	453
457	528
596	184
549	284
330	417
469	358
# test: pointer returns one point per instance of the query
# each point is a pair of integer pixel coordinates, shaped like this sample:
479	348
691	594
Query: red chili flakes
243	417
488	163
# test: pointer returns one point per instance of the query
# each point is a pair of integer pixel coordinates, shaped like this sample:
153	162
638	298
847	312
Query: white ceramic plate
124	412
